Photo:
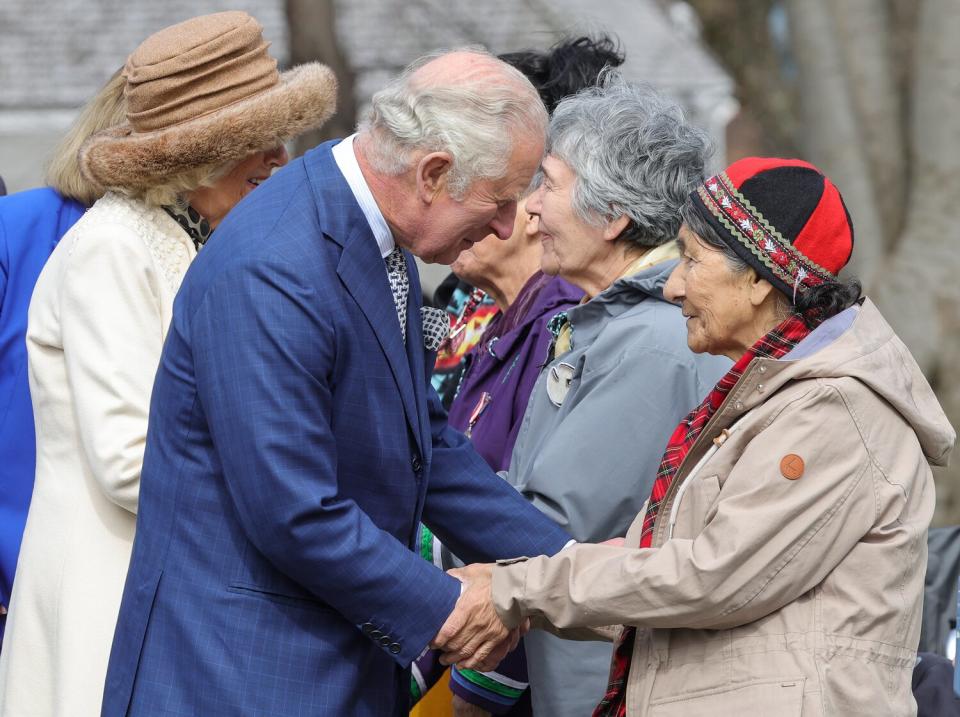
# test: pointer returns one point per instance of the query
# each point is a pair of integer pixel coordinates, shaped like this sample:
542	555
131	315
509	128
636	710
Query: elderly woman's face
488	257
570	245
215	201
721	319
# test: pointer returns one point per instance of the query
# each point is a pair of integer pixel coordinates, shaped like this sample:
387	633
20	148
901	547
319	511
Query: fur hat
203	93
781	216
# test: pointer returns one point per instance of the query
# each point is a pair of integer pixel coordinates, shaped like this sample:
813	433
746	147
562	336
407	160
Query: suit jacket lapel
364	273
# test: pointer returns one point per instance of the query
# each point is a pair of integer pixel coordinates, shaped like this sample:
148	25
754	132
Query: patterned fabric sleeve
496	692
426	670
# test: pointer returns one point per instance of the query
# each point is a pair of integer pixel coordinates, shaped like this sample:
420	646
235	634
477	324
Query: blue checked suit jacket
293	447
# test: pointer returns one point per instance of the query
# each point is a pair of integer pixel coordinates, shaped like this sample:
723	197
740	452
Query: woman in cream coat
98	319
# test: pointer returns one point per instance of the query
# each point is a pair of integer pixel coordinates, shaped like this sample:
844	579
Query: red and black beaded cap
781	216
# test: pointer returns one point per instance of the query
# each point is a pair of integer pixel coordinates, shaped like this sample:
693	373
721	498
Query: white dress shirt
346	159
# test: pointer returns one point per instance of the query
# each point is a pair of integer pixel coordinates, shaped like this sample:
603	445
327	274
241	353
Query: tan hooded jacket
793	580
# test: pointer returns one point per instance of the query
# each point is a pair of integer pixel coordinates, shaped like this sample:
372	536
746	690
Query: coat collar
589	318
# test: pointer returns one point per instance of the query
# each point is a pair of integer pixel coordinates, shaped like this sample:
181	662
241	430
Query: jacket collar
589	318
345	157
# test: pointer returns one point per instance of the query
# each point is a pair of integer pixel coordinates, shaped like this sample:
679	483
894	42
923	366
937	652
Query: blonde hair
173	189
108	108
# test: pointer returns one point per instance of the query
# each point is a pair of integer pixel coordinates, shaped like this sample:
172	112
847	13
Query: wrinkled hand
462	708
473	637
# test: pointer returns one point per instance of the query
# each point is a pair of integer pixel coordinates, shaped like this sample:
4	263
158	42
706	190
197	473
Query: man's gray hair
634	154
477	119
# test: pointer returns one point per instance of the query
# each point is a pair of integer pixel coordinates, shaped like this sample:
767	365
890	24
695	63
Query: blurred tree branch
313	38
739	35
875	102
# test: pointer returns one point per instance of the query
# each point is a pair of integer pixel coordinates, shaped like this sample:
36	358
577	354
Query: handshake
474	637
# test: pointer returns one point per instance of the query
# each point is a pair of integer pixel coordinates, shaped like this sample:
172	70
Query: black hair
566	68
819	303
815	305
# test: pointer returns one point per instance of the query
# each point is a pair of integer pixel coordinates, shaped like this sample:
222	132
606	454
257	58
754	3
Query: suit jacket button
385	640
416	464
375	634
395	648
367	628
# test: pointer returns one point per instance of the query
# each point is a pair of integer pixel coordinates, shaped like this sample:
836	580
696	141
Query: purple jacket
503	368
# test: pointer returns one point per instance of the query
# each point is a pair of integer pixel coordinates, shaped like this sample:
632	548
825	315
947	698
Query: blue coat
292	448
31	224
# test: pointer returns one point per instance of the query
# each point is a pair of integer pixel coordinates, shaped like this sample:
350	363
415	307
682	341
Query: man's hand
473	637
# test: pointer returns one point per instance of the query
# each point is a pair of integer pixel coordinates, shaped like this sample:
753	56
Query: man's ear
615	227
433	170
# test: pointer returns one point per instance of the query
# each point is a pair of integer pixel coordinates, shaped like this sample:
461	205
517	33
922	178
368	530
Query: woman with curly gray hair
620	162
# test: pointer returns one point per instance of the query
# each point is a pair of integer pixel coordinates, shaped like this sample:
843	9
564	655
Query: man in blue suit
294	444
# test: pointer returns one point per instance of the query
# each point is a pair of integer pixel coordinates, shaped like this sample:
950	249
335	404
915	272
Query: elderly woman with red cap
207	116
777	568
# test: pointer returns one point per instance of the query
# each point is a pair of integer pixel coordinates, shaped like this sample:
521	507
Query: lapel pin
559	378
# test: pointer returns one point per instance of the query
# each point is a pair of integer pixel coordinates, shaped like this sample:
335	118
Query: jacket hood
636	287
859	343
625	293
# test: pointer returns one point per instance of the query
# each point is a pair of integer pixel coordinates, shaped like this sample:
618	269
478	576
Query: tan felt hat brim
303	99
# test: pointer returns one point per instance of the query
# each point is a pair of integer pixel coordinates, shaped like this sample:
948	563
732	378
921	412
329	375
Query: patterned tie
399	285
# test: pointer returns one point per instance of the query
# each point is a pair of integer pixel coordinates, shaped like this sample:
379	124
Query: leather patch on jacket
791	466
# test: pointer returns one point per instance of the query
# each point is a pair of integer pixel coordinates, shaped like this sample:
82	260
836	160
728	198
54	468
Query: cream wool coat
774	596
97	321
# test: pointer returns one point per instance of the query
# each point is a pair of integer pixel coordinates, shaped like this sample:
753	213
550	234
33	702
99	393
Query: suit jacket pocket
783	698
307	603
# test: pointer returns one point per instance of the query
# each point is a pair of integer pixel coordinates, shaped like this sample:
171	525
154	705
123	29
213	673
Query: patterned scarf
191	221
774	345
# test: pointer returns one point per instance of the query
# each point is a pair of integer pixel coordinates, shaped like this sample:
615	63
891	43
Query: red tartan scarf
774	345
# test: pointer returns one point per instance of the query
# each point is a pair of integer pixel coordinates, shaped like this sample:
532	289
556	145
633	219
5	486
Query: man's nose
535	201
502	224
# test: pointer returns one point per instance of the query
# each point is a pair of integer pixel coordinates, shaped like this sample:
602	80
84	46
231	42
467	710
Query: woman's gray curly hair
476	121
634	154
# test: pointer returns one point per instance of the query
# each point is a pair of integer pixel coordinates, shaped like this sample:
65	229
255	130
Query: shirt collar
346	159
